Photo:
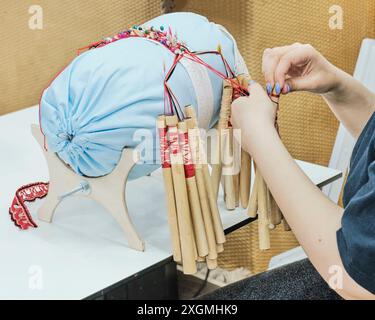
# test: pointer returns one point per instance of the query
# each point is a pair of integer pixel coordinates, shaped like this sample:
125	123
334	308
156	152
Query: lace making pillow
92	110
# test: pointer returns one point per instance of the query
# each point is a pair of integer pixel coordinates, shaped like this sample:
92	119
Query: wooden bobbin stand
109	190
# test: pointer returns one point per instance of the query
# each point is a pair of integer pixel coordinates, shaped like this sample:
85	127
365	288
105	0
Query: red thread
174	146
164	150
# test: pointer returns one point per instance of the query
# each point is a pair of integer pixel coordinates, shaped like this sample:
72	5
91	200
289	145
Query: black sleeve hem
367	281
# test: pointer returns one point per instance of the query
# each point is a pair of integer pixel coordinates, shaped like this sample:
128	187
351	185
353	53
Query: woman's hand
298	67
253	114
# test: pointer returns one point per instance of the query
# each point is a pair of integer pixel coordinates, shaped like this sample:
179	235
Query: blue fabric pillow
92	110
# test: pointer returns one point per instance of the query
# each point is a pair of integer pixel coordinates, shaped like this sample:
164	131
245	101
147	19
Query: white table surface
83	251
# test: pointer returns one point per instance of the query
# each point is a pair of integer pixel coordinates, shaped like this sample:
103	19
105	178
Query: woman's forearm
313	218
351	102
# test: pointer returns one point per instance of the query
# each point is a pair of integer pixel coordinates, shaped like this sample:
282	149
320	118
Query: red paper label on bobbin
164	150
174	146
187	156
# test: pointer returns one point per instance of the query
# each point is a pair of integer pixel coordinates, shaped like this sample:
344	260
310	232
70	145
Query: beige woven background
29	58
307	126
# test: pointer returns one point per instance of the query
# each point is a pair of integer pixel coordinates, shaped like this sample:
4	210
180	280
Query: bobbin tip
160	122
171	120
190	111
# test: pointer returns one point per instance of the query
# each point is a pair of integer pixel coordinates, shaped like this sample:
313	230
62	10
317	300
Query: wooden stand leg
109	190
47	210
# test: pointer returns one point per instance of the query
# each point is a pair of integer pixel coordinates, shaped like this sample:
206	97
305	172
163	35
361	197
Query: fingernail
268	88
277	88
286	89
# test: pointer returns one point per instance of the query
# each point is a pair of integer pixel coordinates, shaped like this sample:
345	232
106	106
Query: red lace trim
18	211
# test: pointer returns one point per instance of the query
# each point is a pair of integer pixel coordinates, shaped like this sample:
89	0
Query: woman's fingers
298	67
271	58
299	57
287	85
282	64
269	62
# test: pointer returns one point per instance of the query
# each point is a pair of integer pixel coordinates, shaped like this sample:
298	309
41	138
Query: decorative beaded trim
166	38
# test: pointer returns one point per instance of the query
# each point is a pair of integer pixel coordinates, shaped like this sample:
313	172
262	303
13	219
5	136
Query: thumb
256	88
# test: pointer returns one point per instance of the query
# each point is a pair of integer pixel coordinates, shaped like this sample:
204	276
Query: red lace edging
19	213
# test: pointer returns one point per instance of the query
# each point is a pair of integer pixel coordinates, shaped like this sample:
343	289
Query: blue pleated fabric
94	108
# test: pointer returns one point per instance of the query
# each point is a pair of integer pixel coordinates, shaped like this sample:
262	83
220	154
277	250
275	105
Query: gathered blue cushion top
92	110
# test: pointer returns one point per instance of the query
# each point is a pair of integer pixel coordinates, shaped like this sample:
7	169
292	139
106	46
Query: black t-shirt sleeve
356	238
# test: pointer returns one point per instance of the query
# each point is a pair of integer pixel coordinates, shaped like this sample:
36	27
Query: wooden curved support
109	190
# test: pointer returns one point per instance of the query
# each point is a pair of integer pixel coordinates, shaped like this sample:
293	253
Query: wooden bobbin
263	222
195	207
245	178
236	167
224	117
245	173
275	216
215	214
220	248
201	259
109	190
271	225
169	189
203	197
236	183
212	199
227	168
211	264
252	209
187	241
